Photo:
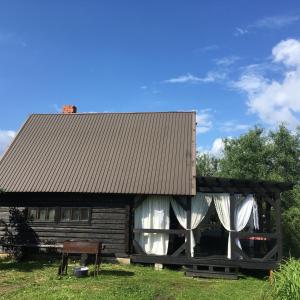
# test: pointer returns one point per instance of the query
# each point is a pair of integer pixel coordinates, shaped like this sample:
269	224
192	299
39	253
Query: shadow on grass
115	273
258	274
28	266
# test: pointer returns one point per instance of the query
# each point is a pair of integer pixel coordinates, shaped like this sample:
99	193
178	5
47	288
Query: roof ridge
116	113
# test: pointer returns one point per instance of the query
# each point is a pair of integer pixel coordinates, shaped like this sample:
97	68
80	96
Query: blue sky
237	63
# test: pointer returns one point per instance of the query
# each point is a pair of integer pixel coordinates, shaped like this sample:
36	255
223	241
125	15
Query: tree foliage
261	155
207	165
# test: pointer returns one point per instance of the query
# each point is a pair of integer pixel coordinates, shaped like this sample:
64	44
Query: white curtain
222	204
153	213
245	211
244	207
199	207
255	215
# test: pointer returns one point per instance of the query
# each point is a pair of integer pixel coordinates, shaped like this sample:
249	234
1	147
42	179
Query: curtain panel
199	207
245	212
222	204
245	207
153	213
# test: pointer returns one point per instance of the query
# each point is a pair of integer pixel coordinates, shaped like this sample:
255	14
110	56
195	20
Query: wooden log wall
109	222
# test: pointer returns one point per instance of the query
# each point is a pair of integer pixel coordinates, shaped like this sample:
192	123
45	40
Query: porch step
220	272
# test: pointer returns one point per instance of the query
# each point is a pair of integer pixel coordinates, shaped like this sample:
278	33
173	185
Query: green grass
286	280
39	280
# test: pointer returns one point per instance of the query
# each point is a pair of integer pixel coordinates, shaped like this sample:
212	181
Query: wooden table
80	247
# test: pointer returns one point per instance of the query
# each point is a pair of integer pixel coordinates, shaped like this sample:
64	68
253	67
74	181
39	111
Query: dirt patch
162	297
8	288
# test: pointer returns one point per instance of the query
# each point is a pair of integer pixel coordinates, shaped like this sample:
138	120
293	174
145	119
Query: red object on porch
256	238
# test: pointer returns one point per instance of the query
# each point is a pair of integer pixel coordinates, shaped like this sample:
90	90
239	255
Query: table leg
67	261
61	267
97	264
95	268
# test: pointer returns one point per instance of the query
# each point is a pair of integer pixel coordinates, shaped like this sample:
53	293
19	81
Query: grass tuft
286	281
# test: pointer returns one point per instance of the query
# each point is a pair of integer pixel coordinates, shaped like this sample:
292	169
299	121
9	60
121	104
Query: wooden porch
267	257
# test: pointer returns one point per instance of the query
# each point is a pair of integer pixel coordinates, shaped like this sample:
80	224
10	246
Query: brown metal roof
136	153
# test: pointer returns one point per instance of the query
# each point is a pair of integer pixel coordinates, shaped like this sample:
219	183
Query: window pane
51	214
42	214
32	213
66	214
75	214
84	214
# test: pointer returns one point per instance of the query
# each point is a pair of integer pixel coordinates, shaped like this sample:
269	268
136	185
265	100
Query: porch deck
212	260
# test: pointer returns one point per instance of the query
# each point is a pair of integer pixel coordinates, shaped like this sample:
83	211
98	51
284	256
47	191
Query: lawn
38	280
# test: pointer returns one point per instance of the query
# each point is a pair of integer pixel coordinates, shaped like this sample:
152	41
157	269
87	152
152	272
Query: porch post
268	216
277	199
187	232
232	240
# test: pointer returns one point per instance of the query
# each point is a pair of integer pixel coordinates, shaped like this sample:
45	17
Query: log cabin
129	180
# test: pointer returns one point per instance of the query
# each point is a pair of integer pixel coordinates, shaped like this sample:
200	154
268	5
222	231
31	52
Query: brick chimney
69	109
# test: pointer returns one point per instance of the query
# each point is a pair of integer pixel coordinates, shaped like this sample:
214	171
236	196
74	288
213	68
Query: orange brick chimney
69	109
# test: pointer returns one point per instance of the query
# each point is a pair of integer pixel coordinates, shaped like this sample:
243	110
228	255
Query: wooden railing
237	252
177	252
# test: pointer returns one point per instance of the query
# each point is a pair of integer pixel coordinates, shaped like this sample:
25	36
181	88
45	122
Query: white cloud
217	147
288	53
213	76
189	78
226	61
240	31
250	83
276	100
276	22
184	79
6	136
231	126
207	48
143	87
215	150
204	122
273	22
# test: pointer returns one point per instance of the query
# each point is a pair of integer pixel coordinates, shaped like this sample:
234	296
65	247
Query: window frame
58	215
37	220
86	221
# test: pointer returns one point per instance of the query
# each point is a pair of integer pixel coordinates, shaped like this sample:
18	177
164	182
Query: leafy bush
17	231
291	230
286	281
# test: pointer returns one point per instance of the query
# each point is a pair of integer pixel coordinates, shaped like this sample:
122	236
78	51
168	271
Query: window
73	214
64	214
43	214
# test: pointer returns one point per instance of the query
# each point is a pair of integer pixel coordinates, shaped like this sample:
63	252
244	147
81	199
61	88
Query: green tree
247	156
285	154
207	165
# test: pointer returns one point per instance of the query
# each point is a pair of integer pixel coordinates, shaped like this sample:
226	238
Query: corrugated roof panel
136	153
